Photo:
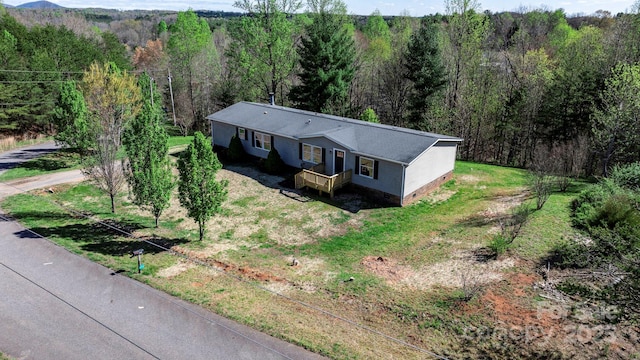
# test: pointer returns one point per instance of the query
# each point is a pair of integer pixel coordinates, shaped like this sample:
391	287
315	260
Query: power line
41	71
240	279
30	81
137	71
32	103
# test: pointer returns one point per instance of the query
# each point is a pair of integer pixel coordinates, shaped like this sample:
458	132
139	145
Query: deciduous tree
616	124
113	99
265	46
148	168
200	193
71	119
196	65
370	116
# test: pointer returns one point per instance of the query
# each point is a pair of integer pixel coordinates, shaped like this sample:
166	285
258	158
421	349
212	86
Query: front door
338	161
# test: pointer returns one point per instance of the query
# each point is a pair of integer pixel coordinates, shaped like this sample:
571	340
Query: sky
416	8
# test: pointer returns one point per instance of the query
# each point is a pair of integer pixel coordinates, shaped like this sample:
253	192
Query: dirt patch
564	325
501	205
243	272
469	179
175	270
258	209
440	195
457	272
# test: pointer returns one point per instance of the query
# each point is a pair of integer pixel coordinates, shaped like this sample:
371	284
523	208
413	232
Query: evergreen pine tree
327	60
425	69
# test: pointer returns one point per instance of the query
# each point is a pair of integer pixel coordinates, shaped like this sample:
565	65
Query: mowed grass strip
330	277
61	160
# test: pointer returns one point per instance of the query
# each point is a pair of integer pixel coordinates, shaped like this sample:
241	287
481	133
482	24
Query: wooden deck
315	179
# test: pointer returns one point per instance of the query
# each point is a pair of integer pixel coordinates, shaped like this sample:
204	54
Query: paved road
56	305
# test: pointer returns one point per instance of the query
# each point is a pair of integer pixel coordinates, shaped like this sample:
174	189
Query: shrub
586	207
627	176
510	228
605	204
274	164
610	212
499	244
540	184
236	152
572	254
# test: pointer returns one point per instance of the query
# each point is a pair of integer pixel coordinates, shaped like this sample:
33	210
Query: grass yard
420	275
65	159
61	160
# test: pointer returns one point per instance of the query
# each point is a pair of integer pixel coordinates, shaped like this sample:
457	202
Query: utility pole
173	107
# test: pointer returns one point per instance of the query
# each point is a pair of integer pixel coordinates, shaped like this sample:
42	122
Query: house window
311	153
262	141
242	133
366	167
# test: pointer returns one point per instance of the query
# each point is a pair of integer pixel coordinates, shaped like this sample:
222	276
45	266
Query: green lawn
65	159
61	160
417	236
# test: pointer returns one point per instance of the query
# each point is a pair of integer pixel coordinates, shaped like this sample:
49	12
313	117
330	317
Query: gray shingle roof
376	140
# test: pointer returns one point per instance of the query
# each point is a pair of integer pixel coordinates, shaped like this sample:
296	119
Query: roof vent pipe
272	98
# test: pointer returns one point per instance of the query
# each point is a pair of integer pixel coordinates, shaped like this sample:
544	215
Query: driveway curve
57	305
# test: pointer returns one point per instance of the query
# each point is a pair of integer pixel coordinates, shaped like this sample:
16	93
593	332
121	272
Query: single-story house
396	164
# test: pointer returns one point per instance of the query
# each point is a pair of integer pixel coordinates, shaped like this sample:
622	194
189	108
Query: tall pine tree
327	60
425	69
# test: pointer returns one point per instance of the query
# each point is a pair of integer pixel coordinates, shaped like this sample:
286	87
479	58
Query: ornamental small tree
198	189
148	170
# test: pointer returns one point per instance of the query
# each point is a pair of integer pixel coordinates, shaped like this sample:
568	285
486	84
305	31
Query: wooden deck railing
323	183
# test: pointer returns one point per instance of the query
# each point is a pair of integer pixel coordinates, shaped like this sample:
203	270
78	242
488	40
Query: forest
531	88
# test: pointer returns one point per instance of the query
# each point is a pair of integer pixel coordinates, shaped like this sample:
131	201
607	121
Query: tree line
528	88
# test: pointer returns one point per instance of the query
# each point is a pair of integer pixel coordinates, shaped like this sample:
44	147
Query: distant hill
40	5
7	6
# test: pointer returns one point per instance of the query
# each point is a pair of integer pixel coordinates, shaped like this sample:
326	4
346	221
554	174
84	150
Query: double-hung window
311	153
262	141
366	167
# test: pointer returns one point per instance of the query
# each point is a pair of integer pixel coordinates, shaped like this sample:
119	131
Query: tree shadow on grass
44	164
100	238
24	155
63	160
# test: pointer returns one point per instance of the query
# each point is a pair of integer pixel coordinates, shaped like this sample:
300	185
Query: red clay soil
244	272
509	304
386	268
